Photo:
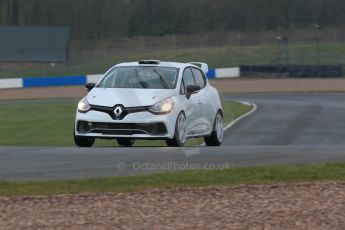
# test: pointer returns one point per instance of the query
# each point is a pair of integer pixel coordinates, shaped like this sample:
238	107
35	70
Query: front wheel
125	142
84	141
180	136
217	134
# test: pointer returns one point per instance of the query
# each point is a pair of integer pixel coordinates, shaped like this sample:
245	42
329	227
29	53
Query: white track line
232	123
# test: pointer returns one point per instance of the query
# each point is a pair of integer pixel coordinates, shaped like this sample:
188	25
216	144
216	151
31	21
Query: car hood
127	97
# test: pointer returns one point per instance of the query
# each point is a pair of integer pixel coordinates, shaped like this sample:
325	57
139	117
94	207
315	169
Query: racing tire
180	136
127	142
84	142
216	137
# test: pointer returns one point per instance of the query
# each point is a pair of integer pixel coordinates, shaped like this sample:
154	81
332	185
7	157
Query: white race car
150	100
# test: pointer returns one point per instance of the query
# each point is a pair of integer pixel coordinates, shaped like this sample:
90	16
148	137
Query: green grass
50	123
216	57
197	178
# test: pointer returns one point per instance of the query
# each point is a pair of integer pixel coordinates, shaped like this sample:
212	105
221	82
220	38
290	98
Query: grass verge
197	178
50	123
216	57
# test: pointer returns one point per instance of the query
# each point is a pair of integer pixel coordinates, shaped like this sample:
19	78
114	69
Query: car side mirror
90	86
191	89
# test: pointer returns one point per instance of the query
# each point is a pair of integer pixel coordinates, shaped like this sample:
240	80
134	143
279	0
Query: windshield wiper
164	83
142	83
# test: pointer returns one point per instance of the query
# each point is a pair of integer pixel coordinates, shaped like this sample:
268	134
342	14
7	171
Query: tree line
121	18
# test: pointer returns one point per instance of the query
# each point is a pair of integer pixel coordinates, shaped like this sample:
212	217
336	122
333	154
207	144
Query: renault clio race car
150	100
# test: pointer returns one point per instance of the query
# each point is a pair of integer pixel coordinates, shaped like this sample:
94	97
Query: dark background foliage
121	18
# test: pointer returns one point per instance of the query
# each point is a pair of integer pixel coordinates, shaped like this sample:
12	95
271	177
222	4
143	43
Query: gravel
282	206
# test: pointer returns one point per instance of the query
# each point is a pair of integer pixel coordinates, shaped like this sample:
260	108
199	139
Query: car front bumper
140	125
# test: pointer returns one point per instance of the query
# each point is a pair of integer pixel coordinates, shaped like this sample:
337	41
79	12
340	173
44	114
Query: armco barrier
31	82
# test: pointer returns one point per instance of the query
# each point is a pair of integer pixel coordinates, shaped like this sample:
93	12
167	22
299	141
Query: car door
203	115
191	103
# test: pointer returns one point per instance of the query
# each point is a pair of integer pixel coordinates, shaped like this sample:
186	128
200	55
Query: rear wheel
84	141
217	134
180	136
125	142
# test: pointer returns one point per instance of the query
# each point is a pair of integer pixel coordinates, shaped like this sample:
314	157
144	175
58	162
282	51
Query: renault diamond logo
118	111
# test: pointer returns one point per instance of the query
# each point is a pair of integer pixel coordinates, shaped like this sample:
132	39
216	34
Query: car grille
125	111
121	128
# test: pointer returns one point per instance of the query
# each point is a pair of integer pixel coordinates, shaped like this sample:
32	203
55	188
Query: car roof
159	63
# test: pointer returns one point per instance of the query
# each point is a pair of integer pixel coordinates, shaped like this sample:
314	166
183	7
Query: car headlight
83	105
163	107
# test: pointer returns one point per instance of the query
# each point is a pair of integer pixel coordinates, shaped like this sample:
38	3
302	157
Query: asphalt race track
285	129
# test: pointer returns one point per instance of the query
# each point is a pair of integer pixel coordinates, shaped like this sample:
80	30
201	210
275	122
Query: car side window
187	79
199	78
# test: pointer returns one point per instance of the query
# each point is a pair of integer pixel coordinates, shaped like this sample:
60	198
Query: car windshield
147	77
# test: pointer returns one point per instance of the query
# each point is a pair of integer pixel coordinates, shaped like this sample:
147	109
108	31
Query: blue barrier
53	81
211	74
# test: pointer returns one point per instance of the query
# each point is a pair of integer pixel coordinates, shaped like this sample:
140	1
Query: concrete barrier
227	72
11	83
